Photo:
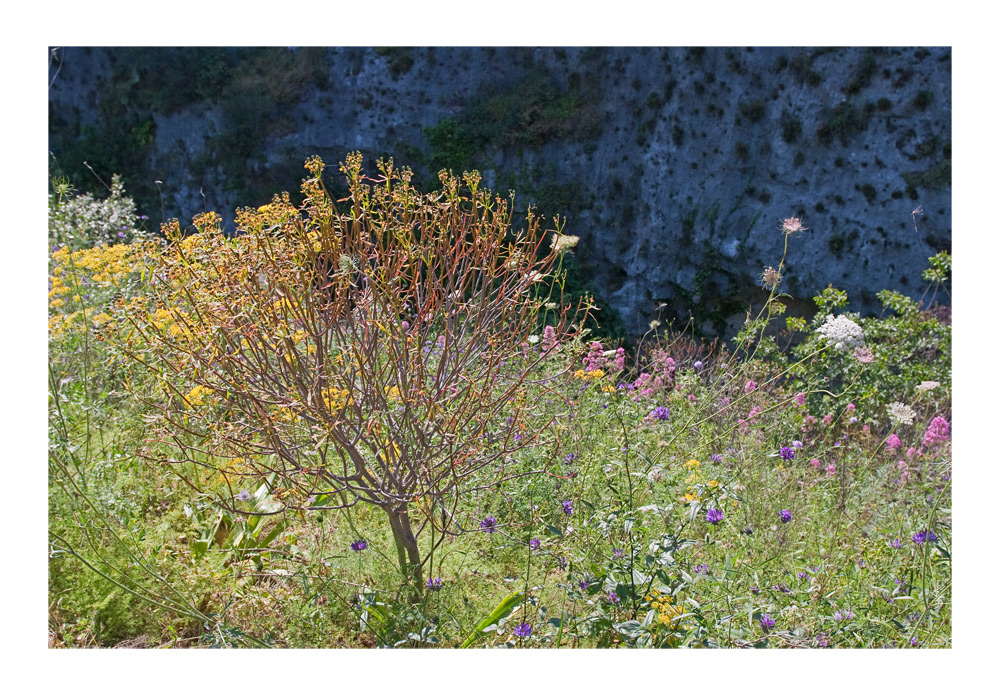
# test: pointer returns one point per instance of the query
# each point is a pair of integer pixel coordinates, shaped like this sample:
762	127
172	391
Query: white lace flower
901	413
561	243
842	331
927	385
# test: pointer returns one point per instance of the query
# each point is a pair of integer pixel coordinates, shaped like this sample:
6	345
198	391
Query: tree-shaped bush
366	350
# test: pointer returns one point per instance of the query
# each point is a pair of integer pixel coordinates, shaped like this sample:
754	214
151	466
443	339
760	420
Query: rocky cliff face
675	166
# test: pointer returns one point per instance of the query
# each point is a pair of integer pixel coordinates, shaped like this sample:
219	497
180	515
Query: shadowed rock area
674	166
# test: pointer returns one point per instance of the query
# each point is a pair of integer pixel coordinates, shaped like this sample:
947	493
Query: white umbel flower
562	243
902	414
842	331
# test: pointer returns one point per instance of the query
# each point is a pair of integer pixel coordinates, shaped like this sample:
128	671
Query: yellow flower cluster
336	399
103	265
197	395
664	605
592	375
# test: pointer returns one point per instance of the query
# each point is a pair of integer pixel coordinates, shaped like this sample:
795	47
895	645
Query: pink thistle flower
814	463
864	355
850	407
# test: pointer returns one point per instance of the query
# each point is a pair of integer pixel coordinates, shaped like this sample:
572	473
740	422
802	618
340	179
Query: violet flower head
243	496
766	623
923	536
567	507
717	458
613	598
661	413
522	630
786	516
713	516
535	544
488	525
786	453
359	545
434	584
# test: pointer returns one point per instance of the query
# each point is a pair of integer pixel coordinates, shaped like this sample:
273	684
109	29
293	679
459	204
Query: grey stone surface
692	159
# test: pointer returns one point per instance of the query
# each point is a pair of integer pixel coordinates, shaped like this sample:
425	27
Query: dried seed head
770	278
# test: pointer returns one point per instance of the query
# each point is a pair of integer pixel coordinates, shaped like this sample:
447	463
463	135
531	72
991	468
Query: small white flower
927	385
533	339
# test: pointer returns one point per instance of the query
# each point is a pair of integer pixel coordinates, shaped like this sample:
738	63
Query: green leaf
502	610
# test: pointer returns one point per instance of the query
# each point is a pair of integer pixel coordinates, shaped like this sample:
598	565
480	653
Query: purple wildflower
717	458
701	569
359	545
534	544
244	495
617	553
785	516
569	458
435	584
522	630
713	516
923	536
567	507
488	525
660	413
613	598
787	453
797	444
766	623
896	544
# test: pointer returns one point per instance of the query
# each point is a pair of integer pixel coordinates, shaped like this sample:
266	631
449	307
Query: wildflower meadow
383	421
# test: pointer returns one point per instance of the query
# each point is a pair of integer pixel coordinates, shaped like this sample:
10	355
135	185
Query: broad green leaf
502	610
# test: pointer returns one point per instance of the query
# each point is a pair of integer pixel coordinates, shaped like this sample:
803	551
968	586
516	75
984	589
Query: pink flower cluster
892	442
901	465
660	377
937	432
595	357
619	361
549	341
751	416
